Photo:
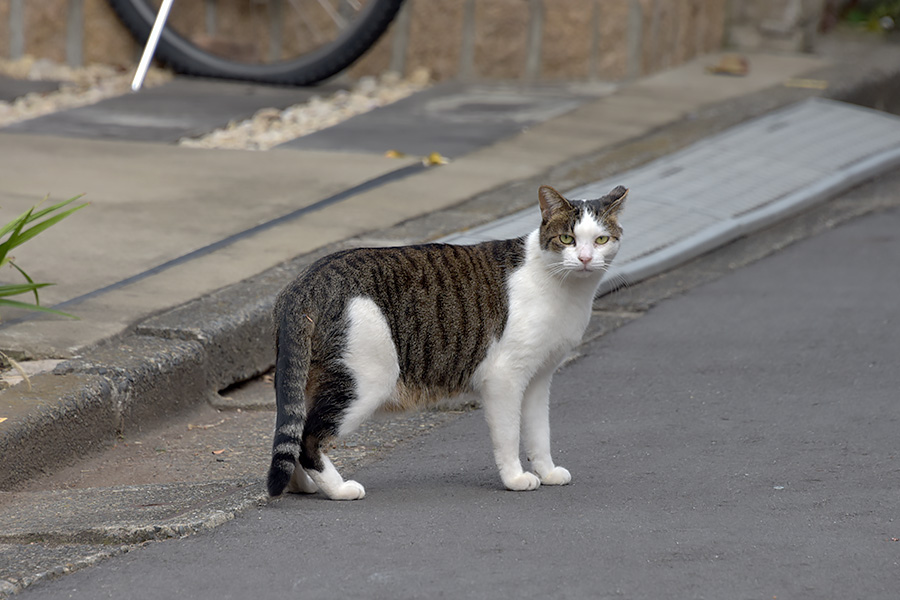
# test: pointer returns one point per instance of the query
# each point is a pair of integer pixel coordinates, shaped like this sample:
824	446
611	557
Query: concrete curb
185	355
125	518
85	403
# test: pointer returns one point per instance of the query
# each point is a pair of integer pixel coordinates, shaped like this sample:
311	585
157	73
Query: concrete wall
548	40
69	31
531	40
788	25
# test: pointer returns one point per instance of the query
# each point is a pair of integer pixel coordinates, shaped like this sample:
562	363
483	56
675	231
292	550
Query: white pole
150	47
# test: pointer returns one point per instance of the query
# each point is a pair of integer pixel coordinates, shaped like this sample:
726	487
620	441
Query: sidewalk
175	265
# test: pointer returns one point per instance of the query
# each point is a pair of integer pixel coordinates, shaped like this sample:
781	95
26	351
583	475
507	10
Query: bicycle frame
150	46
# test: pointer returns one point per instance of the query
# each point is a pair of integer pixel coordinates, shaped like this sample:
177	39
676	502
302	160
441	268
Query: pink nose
585	259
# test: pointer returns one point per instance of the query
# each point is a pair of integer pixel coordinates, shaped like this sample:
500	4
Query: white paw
301	483
523	482
349	490
558	476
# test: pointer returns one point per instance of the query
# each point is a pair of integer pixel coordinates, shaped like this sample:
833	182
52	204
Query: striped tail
291	371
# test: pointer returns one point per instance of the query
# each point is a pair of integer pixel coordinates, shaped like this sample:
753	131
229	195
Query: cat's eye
566	239
602	240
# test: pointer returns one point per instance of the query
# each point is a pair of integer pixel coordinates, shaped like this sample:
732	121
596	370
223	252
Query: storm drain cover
740	180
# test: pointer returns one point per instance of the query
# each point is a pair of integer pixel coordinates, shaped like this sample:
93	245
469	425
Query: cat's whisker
620	282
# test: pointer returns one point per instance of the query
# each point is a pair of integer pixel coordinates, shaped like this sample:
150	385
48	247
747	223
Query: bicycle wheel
290	42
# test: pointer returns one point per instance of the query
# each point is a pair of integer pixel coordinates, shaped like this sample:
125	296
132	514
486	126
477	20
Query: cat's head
580	237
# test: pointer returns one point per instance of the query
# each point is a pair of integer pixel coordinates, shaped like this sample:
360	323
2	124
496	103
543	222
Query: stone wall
527	40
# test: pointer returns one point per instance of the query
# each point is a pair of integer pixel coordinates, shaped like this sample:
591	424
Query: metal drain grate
732	183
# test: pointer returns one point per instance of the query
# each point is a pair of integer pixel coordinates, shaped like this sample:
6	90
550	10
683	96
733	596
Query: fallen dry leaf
394	154
217	452
730	64
435	158
2	419
809	84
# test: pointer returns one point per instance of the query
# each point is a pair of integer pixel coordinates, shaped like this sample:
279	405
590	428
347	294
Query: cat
374	329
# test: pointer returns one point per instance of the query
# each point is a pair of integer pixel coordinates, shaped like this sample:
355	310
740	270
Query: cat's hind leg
330	401
321	427
327	479
301	482
371	360
351	391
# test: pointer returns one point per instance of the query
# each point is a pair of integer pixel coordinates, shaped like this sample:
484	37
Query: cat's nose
586	260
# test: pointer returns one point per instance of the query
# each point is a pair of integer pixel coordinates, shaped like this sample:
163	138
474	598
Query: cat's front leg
502	410
536	431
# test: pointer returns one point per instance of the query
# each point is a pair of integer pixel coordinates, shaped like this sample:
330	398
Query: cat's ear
615	200
551	202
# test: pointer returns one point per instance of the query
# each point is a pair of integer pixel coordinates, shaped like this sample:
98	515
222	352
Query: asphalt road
736	441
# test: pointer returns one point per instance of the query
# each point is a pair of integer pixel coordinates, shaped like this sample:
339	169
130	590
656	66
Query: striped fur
444	308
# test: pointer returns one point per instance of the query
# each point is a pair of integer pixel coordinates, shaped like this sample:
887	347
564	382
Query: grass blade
33	231
37	300
15	289
55	207
14	223
19	223
27	306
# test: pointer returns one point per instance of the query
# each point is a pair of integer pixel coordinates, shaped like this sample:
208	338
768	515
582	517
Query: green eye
566	239
602	240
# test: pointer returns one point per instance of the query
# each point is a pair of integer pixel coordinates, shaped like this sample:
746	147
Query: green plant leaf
13	289
17	234
14	223
55	207
37	299
29	216
19	223
25	305
33	231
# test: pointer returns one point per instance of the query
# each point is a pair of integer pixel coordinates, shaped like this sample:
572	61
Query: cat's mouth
583	270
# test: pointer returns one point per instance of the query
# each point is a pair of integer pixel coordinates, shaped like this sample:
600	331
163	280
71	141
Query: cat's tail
293	348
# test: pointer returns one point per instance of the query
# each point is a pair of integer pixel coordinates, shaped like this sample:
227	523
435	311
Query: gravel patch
270	127
78	86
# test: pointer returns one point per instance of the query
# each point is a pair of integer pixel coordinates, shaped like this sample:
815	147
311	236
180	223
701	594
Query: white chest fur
547	318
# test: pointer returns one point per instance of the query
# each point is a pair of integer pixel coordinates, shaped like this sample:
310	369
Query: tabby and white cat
388	328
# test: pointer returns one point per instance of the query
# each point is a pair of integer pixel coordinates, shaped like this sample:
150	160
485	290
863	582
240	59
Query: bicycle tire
188	58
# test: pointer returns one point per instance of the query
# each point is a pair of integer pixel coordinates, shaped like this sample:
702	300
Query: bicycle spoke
275	28
311	29
328	8
210	14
